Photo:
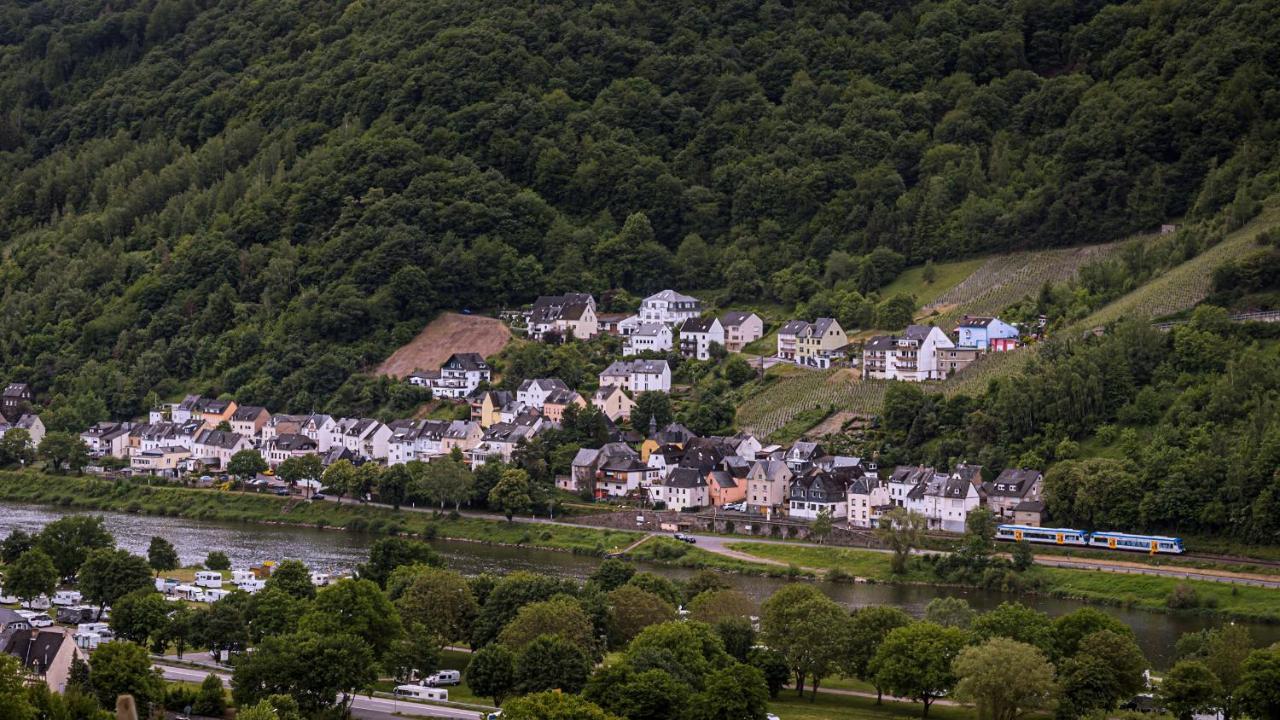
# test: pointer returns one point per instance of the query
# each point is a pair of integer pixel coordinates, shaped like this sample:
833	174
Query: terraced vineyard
1005	279
1185	285
775	405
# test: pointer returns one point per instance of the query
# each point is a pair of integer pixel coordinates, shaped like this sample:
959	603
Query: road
363	707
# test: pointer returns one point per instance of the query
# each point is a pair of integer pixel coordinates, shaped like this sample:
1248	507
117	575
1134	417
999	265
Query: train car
1048	536
1153	544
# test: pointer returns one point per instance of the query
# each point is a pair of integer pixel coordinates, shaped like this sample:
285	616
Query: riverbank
1143	592
91	493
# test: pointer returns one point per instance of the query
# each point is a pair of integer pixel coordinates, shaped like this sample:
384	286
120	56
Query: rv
418	692
187	592
319	579
240	577
209	578
40	603
252	586
66	597
442	677
212	595
75	614
8	599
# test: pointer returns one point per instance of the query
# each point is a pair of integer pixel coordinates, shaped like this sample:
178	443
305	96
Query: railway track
1231	559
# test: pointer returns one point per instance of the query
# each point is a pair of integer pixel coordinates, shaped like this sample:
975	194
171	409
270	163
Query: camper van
166	585
252	586
40	603
418	692
319	579
209	578
442	677
241	577
63	598
76	614
212	595
187	592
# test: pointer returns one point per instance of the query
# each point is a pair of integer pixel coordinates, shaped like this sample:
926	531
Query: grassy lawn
668	551
911	281
90	493
845	707
1142	591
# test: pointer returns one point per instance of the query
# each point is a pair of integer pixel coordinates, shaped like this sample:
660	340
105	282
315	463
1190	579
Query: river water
329	551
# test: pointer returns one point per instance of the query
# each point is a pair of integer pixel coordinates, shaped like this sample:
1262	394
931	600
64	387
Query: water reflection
331	551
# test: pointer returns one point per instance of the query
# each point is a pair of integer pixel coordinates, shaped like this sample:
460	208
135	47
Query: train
1152	544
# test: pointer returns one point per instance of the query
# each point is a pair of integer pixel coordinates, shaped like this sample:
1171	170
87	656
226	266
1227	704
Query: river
330	551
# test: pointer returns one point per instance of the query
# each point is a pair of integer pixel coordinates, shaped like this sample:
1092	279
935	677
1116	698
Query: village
768	487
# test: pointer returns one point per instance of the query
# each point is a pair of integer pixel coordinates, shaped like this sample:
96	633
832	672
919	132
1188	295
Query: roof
671	296
1030	506
563	396
218	438
291	442
722	479
686	478
544	384
641	367
585	457
468	361
917	332
880	343
1013	482
17	390
772	469
213	405
975	321
698	325
36	649
793	327
245	413
652	329
737	317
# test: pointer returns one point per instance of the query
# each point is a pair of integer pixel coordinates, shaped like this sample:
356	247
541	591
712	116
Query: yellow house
554	406
613	402
487	409
821	342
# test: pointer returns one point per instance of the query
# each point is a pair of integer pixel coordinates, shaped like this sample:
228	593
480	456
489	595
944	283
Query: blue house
986	334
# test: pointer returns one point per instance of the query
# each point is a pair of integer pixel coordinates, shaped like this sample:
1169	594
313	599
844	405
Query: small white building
913	356
637	376
533	393
669	308
649	337
697	336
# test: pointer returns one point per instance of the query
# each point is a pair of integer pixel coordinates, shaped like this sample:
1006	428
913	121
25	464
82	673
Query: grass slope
949	274
1143	591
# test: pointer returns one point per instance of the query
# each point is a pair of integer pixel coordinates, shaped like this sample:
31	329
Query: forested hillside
267	196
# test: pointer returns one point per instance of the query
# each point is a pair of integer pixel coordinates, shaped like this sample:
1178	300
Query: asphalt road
366	708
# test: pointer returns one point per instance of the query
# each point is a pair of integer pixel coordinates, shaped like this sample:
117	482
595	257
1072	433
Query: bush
179	698
838	575
210	701
217	560
1182	597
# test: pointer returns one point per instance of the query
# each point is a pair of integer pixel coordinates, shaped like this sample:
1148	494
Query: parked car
442	677
282	492
319	496
686	538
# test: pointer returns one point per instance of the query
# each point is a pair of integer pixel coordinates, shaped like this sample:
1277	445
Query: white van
418	692
67	597
242	577
212	595
319	579
442	677
209	578
40	603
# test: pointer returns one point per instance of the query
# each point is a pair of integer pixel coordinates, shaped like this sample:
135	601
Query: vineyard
1185	285
1005	279
777	403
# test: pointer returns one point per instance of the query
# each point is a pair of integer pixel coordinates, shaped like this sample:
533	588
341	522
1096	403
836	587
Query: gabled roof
698	325
641	367
586	457
543	384
218	438
793	327
734	318
292	442
686	478
722	479
467	361
652	329
880	343
245	413
17	390
1013	483
563	396
975	321
771	469
917	332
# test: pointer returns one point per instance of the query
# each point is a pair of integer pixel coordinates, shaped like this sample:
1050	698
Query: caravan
319	579
209	578
418	692
63	598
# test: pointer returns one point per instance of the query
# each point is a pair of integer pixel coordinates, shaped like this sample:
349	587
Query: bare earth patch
448	334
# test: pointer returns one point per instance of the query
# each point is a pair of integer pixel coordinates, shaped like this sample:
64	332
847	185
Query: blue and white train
1153	544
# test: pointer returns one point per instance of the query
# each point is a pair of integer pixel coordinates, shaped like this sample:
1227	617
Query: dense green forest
267	197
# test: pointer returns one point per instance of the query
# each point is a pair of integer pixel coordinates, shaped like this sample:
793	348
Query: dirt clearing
448	334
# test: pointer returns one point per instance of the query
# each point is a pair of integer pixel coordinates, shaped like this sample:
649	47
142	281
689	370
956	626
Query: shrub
838	575
1182	597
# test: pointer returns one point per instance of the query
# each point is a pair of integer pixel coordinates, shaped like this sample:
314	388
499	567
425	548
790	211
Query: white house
365	437
669	308
461	374
415	440
571	314
637	376
946	500
319	428
913	356
868	499
107	438
217	446
283	447
740	329
815	492
788	338
649	337
533	393
904	479
697	335
685	488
